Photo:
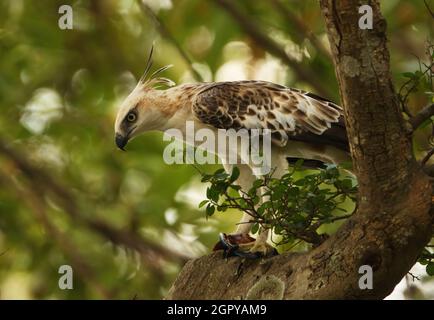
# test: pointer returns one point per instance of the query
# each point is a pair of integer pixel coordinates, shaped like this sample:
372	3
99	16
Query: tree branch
250	28
423	115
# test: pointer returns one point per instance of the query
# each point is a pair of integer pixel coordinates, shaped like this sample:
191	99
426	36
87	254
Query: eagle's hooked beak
121	141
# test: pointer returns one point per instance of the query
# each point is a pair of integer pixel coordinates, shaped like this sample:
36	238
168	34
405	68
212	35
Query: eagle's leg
260	244
240	243
261	247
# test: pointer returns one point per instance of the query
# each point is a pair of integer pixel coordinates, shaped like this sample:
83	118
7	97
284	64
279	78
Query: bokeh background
126	222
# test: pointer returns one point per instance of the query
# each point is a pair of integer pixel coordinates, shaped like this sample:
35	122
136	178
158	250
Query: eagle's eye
131	117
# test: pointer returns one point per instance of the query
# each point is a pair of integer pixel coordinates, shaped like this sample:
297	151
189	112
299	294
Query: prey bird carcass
302	125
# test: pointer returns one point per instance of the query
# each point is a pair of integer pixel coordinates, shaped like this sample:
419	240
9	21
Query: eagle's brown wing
289	113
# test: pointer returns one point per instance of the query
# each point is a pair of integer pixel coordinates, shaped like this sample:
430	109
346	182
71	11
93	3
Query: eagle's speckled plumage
288	113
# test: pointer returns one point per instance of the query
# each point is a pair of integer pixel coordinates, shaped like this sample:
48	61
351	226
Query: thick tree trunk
393	221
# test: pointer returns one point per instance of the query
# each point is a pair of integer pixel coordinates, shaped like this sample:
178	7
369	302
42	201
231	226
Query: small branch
403	97
427	157
414	277
428	169
422	116
166	34
429	9
250	27
321	222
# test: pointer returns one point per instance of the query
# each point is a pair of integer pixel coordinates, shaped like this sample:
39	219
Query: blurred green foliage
59	92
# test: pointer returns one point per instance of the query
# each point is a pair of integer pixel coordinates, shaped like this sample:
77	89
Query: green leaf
204	202
210	210
286	176
423	262
255	200
252	192
293	192
205	178
408	75
243	204
235	174
235	187
258	183
278	191
219	171
255	228
220	187
430	268
347	184
261	209
300	182
212	193
298	163
278	229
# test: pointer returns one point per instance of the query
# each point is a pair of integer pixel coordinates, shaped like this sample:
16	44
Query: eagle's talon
263	250
224	243
240	245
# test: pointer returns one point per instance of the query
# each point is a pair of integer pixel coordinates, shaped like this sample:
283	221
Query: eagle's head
142	109
140	112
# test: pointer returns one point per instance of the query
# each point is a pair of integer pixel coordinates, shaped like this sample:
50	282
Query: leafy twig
427	157
295	209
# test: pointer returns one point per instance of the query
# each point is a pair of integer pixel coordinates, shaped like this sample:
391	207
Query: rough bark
393	221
